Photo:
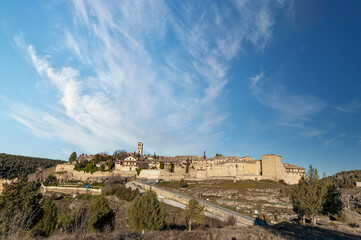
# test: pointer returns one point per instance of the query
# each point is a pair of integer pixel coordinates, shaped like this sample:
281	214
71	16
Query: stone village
161	168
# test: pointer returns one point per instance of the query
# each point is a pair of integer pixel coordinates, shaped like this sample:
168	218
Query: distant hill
346	179
12	166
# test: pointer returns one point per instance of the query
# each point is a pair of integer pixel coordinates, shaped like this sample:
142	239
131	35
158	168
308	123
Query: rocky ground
252	198
267	197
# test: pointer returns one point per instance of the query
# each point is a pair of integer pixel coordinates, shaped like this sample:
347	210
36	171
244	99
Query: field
248	197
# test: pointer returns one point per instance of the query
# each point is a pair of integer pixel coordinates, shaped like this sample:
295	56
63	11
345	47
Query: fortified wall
270	166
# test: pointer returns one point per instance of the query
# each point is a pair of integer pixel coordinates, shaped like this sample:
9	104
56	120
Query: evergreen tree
147	213
193	213
20	205
49	222
333	203
100	214
161	165
73	157
309	196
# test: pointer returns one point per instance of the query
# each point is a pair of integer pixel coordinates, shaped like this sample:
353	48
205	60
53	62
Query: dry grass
280	231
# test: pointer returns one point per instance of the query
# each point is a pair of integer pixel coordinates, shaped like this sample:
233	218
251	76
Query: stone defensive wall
66	172
209	207
69	190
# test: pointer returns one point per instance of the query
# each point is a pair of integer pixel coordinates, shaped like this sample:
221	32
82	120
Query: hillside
12	166
346	179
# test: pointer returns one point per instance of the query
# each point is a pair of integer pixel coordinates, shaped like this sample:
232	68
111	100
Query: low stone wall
69	190
184	199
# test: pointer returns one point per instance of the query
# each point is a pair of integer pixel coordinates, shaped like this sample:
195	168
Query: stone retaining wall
69	190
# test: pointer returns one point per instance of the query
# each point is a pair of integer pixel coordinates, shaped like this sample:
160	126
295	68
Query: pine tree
100	214
20	205
73	157
309	196
333	202
193	213
48	223
147	213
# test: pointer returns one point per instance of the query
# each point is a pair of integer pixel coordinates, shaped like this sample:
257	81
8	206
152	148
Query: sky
237	78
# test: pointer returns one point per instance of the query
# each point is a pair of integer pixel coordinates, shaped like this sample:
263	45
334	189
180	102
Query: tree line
12	166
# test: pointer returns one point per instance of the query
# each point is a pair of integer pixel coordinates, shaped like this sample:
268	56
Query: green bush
86	167
147	213
182	183
100	214
51	181
48	223
161	165
20	206
123	193
138	170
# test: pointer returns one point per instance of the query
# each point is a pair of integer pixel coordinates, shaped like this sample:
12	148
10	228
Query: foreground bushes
20	206
100	214
147	213
49	222
123	193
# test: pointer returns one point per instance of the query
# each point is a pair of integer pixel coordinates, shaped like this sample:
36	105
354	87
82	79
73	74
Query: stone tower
140	148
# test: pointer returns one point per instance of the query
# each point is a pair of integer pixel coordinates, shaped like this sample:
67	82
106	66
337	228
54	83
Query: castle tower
140	148
271	165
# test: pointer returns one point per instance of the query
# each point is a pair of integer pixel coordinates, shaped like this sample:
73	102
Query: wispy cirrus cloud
292	109
331	140
149	70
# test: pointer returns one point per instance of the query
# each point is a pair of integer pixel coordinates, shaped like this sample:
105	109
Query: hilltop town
141	166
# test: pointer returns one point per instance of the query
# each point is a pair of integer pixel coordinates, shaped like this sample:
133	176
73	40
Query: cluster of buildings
188	167
270	166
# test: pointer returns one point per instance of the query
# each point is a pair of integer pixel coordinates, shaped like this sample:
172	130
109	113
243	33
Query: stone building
140	148
270	166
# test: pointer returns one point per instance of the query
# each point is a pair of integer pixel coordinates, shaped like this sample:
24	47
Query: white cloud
293	110
331	140
147	74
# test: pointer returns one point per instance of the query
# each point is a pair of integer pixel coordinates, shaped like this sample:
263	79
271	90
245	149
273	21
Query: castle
140	166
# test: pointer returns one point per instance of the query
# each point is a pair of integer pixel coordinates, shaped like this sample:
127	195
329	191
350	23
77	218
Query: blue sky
231	77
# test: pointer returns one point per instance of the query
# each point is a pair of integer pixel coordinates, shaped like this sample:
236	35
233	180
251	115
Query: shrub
231	221
146	212
100	214
51	181
123	193
183	183
138	171
161	165
353	225
48	223
341	217
75	221
333	224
